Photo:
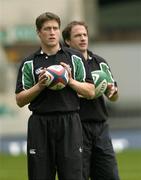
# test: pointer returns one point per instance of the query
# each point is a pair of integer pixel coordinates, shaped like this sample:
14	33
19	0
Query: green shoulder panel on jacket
79	68
28	78
104	67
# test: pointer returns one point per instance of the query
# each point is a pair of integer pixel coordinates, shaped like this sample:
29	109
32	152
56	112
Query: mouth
83	44
52	39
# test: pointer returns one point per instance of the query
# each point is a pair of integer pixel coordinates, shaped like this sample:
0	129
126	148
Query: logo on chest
38	71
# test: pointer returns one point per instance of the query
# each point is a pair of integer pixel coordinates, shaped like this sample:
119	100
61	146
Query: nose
52	30
83	37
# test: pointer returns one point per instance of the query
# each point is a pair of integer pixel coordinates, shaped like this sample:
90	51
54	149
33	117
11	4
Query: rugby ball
57	77
101	81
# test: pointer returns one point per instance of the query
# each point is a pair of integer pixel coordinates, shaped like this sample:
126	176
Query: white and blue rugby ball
57	77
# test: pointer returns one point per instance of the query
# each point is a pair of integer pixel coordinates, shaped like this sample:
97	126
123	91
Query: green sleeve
28	79
79	68
104	67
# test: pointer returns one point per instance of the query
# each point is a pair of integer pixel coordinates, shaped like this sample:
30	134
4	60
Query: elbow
91	93
114	97
19	102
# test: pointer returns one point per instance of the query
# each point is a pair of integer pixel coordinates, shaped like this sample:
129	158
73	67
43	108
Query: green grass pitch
15	167
129	163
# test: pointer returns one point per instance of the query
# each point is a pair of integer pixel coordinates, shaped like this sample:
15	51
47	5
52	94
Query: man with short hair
99	162
54	141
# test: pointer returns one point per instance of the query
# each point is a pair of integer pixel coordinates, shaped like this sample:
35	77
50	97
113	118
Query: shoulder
96	57
30	57
72	52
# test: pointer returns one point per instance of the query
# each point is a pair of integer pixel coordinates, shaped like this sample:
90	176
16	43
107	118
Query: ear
67	42
38	32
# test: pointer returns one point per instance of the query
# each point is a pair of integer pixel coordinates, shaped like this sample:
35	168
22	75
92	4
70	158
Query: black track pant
54	144
99	162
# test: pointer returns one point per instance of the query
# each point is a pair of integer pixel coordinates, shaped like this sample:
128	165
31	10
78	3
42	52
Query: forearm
26	96
85	89
114	97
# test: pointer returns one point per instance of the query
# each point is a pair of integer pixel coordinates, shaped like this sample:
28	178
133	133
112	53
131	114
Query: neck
85	54
50	50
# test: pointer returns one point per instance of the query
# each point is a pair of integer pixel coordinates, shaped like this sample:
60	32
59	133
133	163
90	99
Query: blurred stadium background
115	34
